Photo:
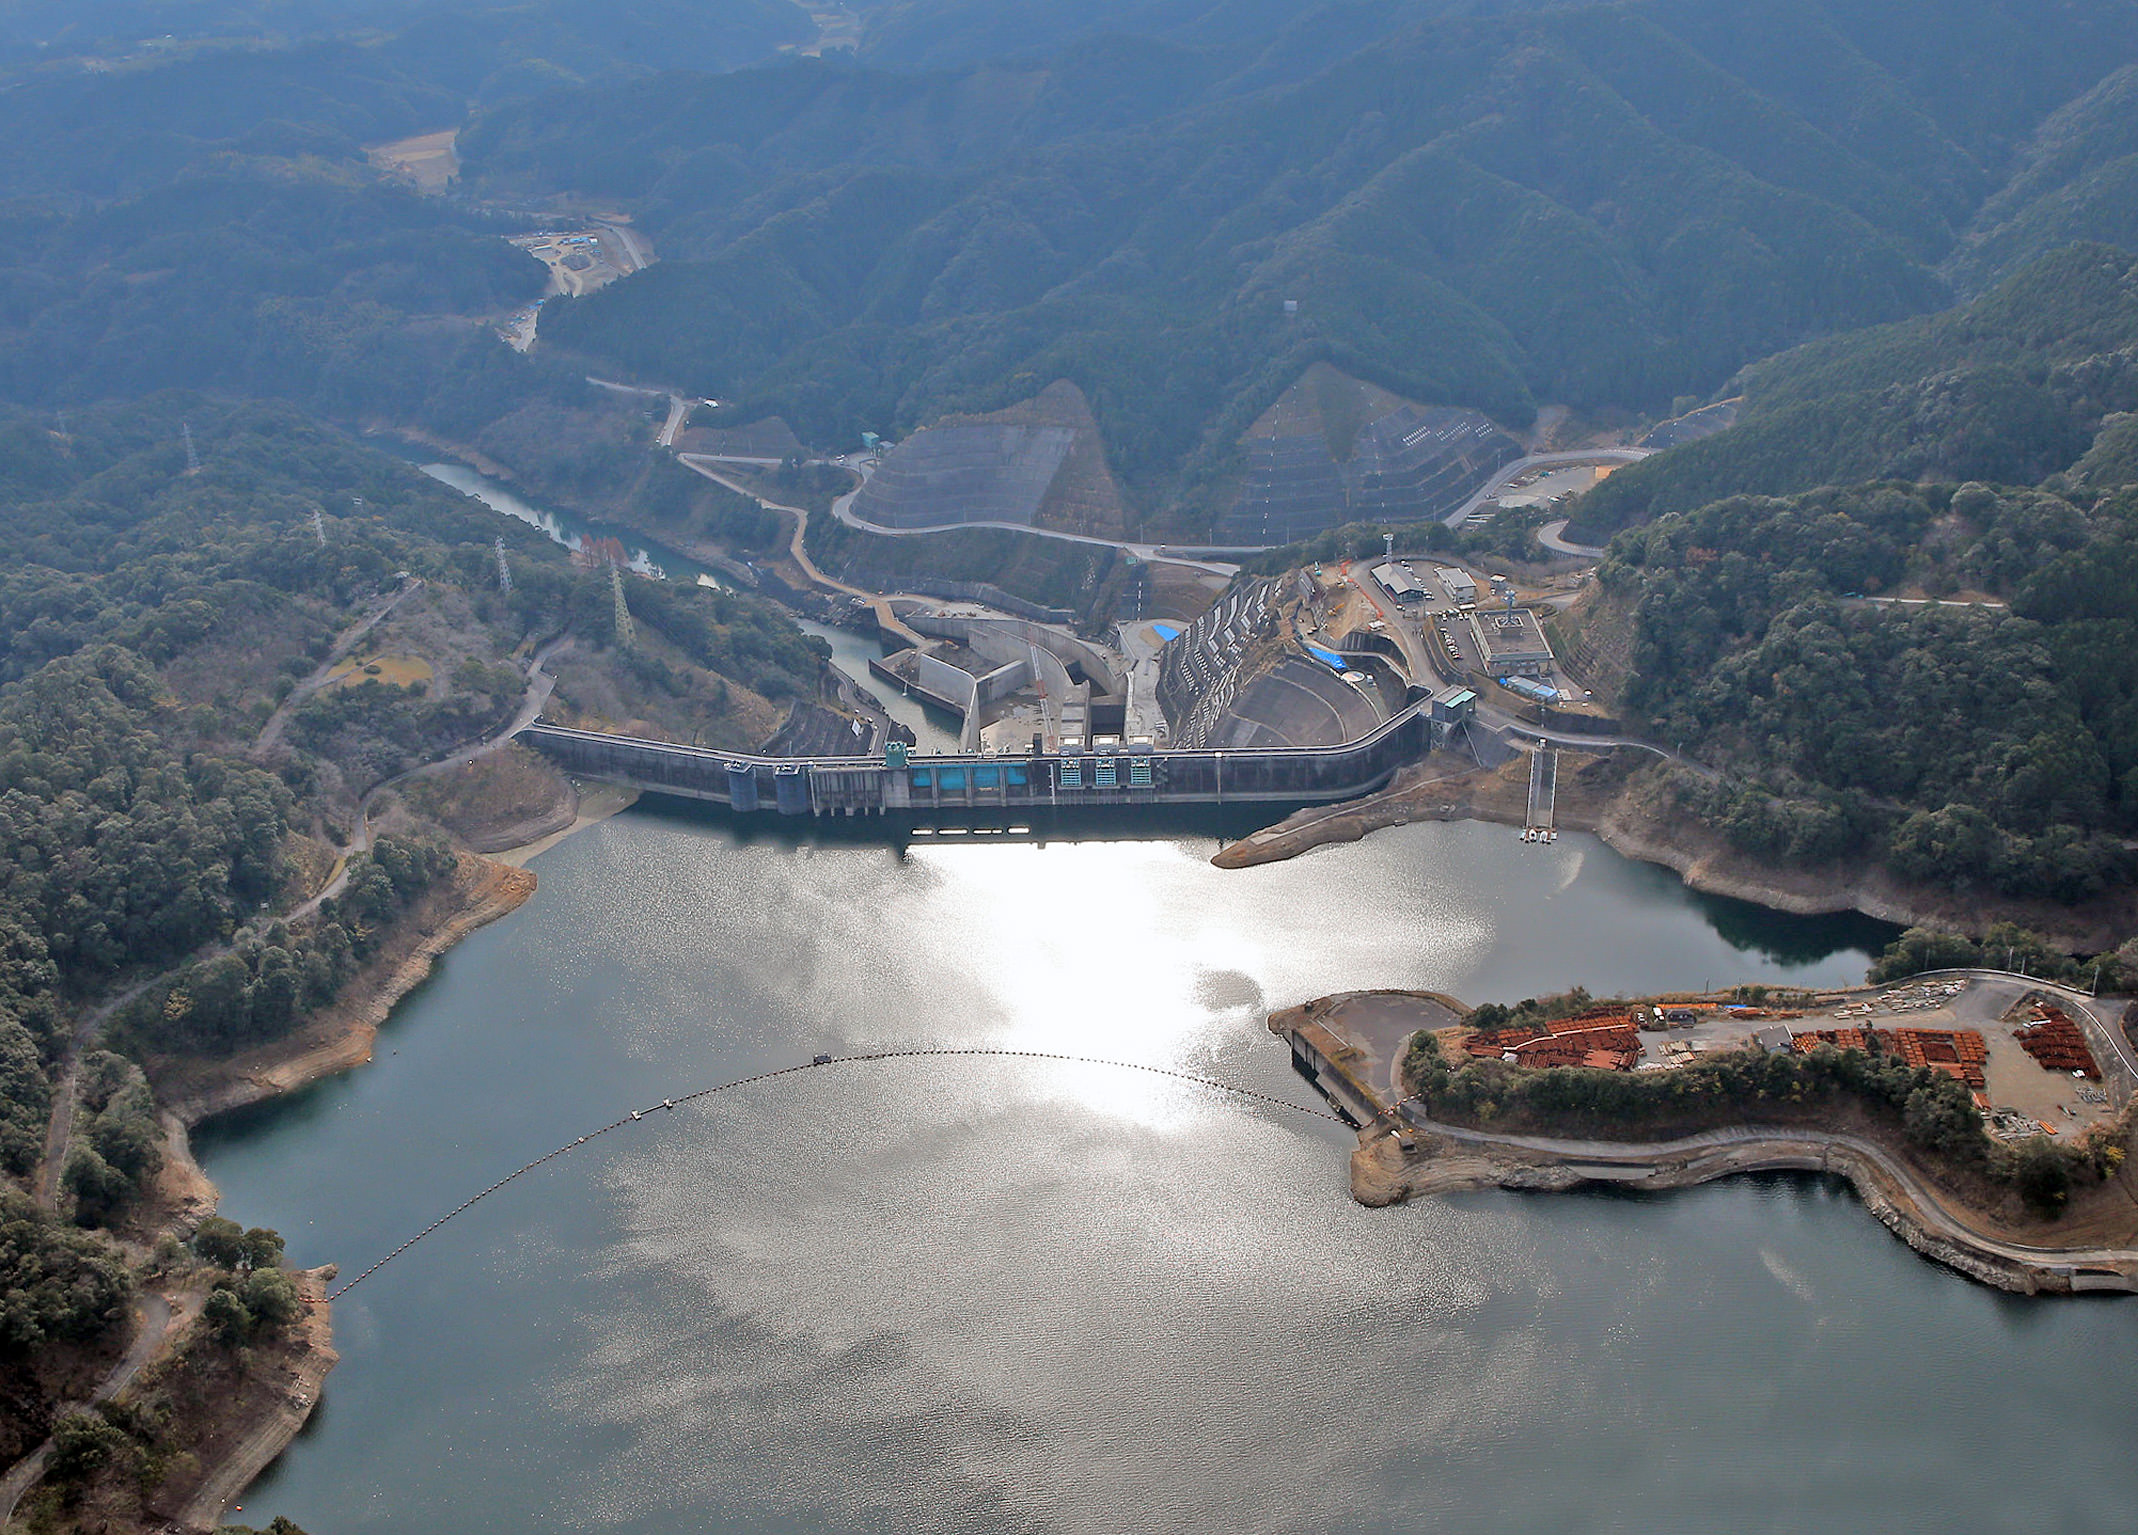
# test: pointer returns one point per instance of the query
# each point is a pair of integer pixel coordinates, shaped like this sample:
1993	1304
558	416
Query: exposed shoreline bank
1596	797
341	1035
259	1426
1382	1173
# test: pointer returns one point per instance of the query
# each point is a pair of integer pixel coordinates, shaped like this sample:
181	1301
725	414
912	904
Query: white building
1456	583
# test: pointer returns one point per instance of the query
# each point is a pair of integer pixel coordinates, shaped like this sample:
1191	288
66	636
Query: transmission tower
192	458
504	571
626	636
319	528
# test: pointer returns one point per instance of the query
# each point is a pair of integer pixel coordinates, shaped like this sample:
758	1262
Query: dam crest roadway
896	783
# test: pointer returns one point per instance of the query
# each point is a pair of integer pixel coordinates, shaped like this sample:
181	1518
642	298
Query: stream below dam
989	1296
934	729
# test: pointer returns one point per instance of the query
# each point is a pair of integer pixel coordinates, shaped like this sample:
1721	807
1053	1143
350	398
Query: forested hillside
206	225
2010	388
154	631
1611	206
1986	747
484	49
205	672
2077	179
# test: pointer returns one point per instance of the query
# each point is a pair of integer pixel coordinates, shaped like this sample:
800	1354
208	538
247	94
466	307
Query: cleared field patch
399	671
428	161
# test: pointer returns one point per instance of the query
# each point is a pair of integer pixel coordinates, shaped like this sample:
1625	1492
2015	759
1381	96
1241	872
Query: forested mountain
1978	747
211	224
1262	37
1787	636
155	618
2076	180
159	762
1607	205
481	49
2010	388
1773	593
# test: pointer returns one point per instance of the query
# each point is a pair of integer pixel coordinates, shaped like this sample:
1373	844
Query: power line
626	635
637	1116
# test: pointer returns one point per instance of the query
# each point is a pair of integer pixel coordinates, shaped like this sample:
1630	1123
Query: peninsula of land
1985	1118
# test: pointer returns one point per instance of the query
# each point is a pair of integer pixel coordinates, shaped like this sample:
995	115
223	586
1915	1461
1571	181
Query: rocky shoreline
1598	794
342	1034
1383	1173
278	1394
1402	1155
257	1426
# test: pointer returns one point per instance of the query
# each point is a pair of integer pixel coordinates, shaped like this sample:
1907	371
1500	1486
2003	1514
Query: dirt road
152	1326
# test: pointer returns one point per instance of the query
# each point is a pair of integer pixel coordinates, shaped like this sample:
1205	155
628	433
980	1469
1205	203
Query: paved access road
1417	654
1631	1153
1553	536
886	618
1196	557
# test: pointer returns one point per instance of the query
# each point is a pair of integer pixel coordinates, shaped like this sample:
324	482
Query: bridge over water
900	784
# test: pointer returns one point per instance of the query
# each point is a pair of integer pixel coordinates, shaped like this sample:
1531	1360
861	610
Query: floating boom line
638	1116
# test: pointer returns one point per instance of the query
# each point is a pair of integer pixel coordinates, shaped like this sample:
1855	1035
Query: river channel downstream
981	1295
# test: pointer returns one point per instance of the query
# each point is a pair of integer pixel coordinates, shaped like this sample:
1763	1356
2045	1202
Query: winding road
880	605
1508	724
1553	537
152	1325
1191	556
271	732
1637	1154
540	684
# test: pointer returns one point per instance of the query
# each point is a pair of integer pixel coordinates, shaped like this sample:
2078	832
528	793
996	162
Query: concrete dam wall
927	785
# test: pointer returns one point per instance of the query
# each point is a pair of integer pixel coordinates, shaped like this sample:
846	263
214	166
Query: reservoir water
993	1296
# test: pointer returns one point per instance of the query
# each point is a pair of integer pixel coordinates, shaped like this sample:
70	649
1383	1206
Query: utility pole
504	571
626	636
192	458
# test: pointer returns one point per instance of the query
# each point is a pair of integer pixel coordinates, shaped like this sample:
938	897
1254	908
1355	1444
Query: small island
1984	1117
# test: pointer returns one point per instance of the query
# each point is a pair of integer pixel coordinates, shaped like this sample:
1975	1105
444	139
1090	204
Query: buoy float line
637	1116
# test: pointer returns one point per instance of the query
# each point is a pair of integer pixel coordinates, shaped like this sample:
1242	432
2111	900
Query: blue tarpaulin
1333	660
